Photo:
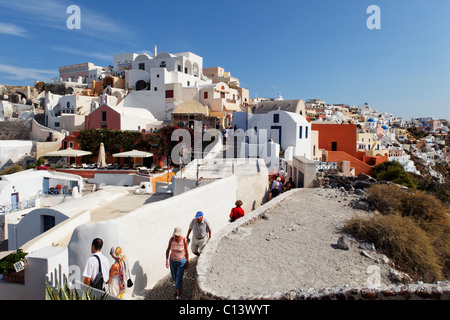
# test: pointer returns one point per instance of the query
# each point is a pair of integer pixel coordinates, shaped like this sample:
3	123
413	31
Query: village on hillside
91	154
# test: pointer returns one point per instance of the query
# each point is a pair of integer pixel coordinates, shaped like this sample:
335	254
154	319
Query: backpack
97	283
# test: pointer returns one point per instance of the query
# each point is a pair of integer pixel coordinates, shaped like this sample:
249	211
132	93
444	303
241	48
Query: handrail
4	209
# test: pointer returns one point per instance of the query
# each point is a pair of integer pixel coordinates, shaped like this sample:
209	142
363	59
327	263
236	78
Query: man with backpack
96	272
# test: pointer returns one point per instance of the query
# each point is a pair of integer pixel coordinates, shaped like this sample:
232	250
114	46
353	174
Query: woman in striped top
178	260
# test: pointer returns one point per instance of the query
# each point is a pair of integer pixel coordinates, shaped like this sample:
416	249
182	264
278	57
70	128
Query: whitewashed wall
145	232
13	150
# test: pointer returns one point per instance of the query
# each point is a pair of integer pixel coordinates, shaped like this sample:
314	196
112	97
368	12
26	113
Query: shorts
197	245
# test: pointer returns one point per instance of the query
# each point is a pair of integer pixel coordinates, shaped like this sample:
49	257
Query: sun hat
177	231
199	214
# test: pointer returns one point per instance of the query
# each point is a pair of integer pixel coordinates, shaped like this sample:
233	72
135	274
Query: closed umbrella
101	162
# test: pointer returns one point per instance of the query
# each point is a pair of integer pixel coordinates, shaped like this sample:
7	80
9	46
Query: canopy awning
191	107
133	154
73	153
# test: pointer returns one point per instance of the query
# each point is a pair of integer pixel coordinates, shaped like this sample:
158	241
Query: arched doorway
140	85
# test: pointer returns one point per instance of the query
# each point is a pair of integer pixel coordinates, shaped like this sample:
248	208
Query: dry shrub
421	206
385	198
428	212
406	244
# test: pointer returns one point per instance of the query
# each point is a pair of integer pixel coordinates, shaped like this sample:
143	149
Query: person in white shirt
92	267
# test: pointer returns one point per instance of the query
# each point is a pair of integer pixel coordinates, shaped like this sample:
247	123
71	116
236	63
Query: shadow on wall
140	278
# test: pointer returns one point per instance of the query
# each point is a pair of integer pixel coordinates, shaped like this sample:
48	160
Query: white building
269	132
30	184
11	151
67	112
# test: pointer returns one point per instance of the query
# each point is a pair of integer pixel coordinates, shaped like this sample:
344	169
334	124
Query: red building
103	117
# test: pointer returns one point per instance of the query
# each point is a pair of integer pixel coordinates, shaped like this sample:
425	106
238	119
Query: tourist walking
96	271
177	258
237	212
275	189
289	185
201	233
225	135
118	273
282	174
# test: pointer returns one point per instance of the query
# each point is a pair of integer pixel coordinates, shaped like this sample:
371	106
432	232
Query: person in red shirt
237	211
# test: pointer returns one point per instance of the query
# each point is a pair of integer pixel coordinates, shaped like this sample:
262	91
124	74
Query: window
300	132
276	118
48	222
71	144
179	68
57	124
205	95
169	94
185	70
222	95
157	75
188	83
163	64
156	88
103	115
306	132
141	66
334	146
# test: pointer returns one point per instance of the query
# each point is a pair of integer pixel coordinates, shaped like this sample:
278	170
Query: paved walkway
164	289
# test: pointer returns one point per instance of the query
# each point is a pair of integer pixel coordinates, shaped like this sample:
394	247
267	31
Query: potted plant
7	267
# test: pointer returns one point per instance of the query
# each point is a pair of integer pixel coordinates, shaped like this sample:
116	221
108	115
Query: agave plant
65	293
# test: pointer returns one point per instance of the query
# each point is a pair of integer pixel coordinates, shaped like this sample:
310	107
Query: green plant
65	293
393	171
7	263
11	170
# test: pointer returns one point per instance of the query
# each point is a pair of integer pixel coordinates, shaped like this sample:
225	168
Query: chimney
154	51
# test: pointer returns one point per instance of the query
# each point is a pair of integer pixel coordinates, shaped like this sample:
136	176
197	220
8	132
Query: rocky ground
299	245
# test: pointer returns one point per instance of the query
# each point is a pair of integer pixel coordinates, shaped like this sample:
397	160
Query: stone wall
416	291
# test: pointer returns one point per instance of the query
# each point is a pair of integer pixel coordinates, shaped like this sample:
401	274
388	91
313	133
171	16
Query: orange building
340	142
336	137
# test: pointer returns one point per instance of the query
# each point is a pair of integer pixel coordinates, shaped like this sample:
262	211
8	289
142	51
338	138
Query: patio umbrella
101	162
69	153
133	154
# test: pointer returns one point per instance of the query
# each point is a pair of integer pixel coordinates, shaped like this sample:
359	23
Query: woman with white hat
178	260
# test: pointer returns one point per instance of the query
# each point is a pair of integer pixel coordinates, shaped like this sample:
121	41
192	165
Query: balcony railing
9	208
17	206
327	166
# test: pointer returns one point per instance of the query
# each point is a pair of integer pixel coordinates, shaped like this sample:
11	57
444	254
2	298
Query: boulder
343	243
399	277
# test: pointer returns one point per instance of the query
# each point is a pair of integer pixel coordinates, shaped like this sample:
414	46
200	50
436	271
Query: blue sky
302	49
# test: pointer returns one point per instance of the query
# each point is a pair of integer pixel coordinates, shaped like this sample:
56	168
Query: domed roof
371	120
385	127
